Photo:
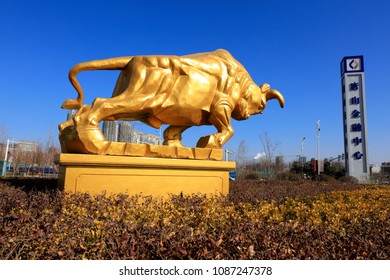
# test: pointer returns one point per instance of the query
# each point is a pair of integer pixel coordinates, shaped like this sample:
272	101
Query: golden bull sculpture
181	91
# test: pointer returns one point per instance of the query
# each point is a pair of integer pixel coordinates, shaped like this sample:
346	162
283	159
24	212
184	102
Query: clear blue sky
296	46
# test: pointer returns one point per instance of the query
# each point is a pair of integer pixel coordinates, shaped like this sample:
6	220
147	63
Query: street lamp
227	152
318	147
3	172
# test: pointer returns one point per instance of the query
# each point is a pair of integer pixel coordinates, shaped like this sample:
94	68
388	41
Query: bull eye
261	106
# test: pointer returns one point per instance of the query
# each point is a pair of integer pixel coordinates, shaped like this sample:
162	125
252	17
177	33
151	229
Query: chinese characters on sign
355	100
355	114
357	155
354	86
357	141
356	127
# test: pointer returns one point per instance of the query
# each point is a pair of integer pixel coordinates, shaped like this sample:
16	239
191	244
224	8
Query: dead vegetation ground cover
258	220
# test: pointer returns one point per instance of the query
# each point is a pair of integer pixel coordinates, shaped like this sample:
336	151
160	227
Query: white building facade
124	132
110	130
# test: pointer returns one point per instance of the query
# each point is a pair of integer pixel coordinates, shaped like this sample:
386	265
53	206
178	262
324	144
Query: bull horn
272	94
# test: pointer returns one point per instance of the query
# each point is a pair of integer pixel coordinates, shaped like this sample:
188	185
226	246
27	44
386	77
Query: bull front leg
220	117
172	135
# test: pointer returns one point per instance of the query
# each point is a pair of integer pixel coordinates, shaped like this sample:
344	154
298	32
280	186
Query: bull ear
265	88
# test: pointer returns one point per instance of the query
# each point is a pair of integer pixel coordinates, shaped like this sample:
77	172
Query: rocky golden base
90	140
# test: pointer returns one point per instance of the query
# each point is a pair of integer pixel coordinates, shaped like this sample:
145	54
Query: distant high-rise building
110	130
150	139
124	133
26	146
136	136
128	134
71	113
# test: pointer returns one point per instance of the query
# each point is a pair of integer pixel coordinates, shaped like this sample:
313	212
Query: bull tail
117	63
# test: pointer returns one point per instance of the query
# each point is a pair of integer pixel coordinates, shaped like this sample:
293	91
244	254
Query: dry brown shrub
258	220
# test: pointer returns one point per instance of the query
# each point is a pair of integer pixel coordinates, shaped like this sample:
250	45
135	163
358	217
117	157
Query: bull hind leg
172	135
70	122
116	108
145	92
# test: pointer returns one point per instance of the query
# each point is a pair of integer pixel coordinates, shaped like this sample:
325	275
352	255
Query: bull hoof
173	143
209	141
65	125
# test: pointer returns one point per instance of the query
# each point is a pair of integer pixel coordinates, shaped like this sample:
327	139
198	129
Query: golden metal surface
150	176
193	90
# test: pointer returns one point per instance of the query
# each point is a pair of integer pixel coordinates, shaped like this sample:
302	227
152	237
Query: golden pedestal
149	176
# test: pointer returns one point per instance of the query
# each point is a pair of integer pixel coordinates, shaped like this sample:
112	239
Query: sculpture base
90	140
150	176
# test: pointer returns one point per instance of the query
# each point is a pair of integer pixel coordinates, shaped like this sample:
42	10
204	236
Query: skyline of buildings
124	132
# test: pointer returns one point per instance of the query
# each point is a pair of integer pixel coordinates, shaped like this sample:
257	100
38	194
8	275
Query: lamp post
318	147
302	142
227	152
3	172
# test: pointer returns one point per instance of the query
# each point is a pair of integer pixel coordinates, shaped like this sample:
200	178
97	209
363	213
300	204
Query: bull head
269	94
255	100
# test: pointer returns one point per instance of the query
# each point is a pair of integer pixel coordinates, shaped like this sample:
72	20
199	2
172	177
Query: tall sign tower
354	117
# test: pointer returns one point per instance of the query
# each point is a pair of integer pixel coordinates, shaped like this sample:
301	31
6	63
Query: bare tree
269	149
3	141
48	153
17	158
242	158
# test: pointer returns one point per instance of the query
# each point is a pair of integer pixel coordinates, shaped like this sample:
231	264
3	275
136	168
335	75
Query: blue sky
296	46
